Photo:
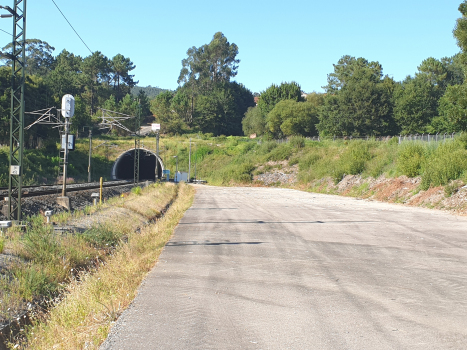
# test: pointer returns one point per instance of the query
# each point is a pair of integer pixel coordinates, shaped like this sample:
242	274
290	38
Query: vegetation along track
37	199
68	257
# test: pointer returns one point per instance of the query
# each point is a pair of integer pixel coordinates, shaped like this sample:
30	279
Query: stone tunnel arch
123	168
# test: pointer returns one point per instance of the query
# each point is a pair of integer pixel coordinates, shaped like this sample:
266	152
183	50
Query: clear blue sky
278	41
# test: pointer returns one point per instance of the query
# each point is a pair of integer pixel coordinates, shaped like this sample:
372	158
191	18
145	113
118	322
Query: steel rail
35	191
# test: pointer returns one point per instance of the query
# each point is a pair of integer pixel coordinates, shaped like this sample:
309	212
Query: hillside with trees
360	100
96	81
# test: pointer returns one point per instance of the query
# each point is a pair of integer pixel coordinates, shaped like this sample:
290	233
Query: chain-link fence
440	137
428	137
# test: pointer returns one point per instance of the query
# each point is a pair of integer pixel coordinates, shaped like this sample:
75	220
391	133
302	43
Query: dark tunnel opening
124	166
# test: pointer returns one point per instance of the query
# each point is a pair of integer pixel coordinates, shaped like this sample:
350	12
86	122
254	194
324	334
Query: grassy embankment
436	163
234	160
100	269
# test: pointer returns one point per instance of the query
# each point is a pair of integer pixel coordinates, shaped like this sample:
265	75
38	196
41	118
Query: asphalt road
267	268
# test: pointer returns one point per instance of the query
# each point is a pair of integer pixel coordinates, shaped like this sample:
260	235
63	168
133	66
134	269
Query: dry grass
83	319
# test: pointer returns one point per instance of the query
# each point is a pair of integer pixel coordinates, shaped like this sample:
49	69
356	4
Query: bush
411	158
102	237
267	147
39	242
447	163
297	142
352	161
279	153
137	190
308	161
246	147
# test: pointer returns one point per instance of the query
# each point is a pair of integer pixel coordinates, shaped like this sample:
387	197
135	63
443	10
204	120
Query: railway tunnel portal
123	168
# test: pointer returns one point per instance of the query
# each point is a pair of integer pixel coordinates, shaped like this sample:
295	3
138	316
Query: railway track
34	191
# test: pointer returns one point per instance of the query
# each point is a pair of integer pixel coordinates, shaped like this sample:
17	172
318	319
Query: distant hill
150	91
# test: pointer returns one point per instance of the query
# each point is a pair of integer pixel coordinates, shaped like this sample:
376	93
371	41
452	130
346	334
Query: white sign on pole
155	127
68	106
70	143
15	170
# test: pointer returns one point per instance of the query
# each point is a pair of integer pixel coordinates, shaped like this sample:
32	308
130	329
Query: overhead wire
71	26
5	32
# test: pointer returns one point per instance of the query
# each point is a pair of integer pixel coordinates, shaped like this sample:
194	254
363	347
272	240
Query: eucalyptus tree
207	100
39	58
209	64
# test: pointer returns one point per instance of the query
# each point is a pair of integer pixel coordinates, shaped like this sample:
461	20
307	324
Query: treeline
359	100
95	81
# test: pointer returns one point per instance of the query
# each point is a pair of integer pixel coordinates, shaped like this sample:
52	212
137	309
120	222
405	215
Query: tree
452	110
460	30
65	77
220	111
254	122
145	106
290	118
274	94
453	104
207	100
123	82
162	108
209	64
39	59
95	72
416	103
358	100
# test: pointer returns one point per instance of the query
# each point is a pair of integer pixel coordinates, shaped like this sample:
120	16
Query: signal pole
90	155
18	61
65	156
157	154
136	159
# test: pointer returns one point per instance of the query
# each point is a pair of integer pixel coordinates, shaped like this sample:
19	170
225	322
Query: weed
137	190
2	244
102	236
452	188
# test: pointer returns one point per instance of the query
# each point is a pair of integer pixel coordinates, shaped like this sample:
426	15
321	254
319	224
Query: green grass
230	160
435	163
48	260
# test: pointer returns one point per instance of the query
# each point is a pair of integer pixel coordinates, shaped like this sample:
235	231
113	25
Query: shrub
102	237
40	243
447	163
246	147
308	161
280	153
137	190
267	147
352	161
297	141
410	159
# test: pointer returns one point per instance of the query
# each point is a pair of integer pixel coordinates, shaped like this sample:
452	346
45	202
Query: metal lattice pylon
18	61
